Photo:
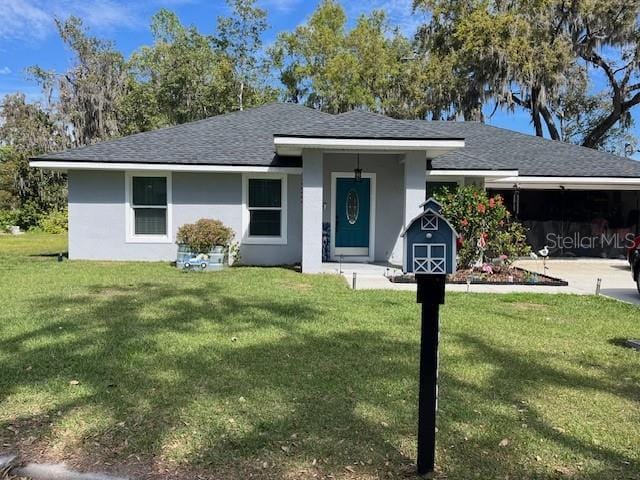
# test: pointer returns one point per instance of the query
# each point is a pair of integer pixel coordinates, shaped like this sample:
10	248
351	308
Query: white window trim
131	236
246	215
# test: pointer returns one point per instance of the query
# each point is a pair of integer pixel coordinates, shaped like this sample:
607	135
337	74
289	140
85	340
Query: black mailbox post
430	254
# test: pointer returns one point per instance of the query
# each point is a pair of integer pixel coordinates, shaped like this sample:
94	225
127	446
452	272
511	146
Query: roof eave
566	182
65	165
294	145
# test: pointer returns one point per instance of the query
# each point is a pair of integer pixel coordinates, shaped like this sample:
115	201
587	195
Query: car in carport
632	249
634	260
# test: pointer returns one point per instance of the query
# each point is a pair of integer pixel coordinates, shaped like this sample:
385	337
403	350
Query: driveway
583	274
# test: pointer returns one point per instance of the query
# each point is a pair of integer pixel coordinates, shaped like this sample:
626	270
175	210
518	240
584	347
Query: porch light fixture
357	172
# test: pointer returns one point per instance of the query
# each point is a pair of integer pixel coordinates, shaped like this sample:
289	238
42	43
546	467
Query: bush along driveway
142	370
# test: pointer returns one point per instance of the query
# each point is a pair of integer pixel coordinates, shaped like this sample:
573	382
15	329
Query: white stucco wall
97	216
97	212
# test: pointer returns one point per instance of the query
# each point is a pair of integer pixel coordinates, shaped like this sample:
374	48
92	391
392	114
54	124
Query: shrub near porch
485	225
274	374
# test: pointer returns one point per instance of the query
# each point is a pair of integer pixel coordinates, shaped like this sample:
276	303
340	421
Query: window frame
131	236
246	211
431	225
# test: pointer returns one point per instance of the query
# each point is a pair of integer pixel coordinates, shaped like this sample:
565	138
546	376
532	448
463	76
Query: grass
140	369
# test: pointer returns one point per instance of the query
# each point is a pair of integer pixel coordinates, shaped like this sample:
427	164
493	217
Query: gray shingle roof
360	124
492	148
246	138
238	138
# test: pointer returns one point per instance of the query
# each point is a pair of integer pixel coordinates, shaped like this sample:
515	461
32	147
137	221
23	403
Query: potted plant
203	245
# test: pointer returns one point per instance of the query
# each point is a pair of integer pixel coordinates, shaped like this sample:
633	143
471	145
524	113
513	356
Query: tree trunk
535	111
551	126
595	136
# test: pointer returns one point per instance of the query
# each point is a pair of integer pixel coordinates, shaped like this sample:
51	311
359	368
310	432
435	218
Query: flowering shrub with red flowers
485	225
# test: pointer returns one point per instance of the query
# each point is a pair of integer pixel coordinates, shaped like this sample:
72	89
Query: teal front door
353	208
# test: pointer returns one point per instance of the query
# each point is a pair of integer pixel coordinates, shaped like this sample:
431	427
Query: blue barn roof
430	206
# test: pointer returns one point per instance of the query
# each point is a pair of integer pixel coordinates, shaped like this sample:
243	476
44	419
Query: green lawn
270	373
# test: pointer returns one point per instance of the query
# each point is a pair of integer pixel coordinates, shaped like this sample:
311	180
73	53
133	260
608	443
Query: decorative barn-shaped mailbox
430	254
430	242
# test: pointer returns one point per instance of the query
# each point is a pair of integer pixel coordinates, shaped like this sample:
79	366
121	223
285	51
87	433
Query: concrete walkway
581	274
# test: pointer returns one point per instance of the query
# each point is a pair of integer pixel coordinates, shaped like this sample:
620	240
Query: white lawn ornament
544	253
480	245
533	256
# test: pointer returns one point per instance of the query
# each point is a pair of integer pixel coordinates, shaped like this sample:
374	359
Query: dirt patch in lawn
110	292
298	286
117	291
33	441
96	459
527	306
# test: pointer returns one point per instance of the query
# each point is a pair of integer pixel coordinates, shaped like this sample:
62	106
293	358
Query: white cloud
5	70
33	19
22	19
101	14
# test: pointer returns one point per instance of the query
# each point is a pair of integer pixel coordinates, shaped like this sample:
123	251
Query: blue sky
28	37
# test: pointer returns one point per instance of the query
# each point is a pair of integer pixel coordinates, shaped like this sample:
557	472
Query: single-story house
283	177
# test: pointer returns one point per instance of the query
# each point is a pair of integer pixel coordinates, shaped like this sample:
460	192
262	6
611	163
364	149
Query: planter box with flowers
204	245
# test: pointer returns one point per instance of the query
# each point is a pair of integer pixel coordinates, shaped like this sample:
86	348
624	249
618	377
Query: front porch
358	220
365	216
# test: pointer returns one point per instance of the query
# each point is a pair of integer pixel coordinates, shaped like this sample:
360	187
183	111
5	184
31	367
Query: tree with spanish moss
28	130
527	55
87	96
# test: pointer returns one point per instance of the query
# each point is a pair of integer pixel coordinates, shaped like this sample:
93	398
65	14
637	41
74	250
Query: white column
415	190
312	201
415	184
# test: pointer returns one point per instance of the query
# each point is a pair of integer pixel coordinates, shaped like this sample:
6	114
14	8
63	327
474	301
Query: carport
576	220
